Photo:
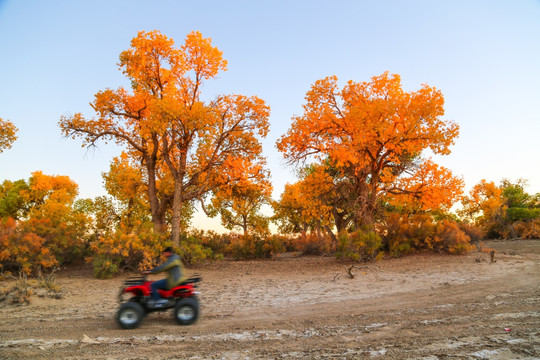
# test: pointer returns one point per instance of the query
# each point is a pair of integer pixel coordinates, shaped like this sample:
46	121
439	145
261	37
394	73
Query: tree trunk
341	220
160	225
157	208
332	236
364	212
245	225
177	212
365	216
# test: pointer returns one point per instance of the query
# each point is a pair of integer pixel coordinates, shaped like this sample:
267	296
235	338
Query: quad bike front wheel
186	311
130	315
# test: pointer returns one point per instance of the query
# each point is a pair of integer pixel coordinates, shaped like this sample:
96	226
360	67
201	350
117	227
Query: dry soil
417	307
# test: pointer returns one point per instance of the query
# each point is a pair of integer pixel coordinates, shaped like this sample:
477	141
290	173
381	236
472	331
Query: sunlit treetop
8	134
368	121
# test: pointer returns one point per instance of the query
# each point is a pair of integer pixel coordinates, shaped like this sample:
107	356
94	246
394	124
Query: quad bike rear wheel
186	311
130	315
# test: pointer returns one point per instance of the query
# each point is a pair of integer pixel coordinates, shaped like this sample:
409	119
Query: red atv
135	302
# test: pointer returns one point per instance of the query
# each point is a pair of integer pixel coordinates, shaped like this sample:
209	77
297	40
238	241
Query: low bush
275	244
395	240
360	245
404	234
23	289
312	244
244	247
194	249
19	294
118	251
474	232
449	238
528	229
216	242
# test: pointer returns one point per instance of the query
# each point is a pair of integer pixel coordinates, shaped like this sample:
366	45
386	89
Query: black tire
135	299
130	315
186	311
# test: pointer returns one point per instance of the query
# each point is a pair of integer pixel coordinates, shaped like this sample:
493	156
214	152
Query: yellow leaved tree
372	136
165	125
8	134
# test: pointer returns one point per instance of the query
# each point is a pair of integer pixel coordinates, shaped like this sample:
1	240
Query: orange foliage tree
239	205
8	134
499	209
50	199
288	210
484	203
307	205
40	227
126	183
164	123
23	250
373	134
432	188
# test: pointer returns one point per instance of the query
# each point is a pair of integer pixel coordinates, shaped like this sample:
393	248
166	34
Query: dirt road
417	307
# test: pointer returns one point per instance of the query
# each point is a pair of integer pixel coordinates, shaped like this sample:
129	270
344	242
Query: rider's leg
156	285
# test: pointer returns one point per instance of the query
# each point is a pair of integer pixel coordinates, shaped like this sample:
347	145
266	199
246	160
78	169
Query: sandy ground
417	307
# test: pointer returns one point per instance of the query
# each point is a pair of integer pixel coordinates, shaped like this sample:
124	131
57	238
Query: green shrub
105	267
522	213
400	238
192	249
359	245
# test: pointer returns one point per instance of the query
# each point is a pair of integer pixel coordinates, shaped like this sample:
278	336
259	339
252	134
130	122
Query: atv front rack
139	280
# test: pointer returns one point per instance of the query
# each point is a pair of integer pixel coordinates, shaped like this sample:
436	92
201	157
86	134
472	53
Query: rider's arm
164	267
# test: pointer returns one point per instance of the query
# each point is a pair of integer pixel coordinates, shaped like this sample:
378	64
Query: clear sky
483	55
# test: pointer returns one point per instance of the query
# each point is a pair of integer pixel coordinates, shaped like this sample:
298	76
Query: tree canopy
373	134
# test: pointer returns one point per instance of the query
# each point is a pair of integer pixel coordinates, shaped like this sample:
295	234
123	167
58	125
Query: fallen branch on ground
352	275
229	314
350	272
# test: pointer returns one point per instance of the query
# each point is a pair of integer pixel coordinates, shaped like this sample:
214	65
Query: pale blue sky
483	55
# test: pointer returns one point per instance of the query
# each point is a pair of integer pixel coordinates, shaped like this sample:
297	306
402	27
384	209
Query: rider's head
168	251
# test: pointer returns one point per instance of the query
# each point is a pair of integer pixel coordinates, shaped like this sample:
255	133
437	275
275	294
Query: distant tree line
365	187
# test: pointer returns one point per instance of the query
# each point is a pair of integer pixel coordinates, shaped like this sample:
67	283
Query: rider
176	275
